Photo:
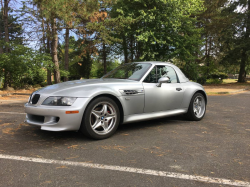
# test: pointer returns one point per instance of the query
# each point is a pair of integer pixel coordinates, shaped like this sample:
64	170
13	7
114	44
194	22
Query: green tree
24	65
5	19
81	63
236	36
162	29
97	69
7	45
212	22
103	28
64	15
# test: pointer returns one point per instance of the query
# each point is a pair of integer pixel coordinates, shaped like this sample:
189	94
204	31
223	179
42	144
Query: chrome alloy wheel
103	118
199	106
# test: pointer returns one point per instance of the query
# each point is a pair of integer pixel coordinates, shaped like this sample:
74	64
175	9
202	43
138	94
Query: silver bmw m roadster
132	92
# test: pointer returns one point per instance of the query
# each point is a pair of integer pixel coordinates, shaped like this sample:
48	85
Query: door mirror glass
163	80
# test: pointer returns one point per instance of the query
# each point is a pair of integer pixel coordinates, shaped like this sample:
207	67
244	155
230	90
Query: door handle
178	89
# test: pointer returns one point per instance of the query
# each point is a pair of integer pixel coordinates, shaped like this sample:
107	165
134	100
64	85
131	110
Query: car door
167	97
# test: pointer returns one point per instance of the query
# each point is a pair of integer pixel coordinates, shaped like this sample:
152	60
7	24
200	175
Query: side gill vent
130	92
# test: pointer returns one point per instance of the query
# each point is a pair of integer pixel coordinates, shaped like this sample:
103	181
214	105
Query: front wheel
101	118
197	107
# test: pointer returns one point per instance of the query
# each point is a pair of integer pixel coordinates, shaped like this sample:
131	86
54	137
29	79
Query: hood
52	89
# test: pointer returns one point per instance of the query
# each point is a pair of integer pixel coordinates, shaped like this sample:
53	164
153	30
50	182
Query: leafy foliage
218	75
236	41
24	65
97	70
162	29
84	39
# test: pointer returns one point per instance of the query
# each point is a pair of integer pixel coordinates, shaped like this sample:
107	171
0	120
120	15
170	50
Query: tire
101	118
197	107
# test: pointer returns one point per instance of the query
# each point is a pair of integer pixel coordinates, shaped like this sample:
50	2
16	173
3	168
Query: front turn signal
72	112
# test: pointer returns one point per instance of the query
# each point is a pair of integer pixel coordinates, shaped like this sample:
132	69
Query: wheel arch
114	98
203	93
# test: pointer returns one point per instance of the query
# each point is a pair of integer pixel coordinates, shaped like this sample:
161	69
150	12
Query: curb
240	90
21	94
8	94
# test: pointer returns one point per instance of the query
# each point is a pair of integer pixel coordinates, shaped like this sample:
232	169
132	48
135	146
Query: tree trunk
242	74
6	32
5	20
125	48
48	51
5	80
1	47
44	37
208	54
131	48
89	65
244	56
54	51
138	51
104	58
66	65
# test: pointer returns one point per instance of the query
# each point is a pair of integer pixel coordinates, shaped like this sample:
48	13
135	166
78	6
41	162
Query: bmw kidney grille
35	99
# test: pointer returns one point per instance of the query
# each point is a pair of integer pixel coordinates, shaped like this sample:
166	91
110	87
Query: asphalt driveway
218	146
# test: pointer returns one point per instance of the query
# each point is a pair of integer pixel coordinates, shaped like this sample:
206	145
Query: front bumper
54	118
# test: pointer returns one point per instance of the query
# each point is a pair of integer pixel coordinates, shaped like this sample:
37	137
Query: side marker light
72	112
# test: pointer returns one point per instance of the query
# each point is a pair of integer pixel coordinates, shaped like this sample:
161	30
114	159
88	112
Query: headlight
59	101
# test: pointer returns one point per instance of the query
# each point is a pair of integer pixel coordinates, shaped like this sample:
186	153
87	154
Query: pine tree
236	36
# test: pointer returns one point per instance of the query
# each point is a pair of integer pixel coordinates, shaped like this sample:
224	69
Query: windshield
132	71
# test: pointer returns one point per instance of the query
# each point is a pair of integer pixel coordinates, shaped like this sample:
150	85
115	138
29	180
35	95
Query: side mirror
163	80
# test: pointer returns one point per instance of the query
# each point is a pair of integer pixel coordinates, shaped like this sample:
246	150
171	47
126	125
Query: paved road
218	146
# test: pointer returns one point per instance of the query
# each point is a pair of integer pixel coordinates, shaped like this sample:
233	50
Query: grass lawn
226	81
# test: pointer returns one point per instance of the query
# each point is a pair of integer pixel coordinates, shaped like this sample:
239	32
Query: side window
161	71
167	71
151	78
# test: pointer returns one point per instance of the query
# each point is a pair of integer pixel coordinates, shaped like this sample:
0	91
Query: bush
218	75
214	81
37	86
201	80
27	87
31	78
43	84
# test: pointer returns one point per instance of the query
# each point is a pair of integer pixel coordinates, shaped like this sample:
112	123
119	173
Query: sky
31	29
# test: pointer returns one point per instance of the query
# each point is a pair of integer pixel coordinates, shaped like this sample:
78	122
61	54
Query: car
132	92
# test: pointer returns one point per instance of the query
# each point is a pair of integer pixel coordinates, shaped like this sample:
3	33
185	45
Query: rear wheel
101	118
197	107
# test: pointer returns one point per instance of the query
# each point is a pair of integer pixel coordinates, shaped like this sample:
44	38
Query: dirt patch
224	93
232	87
116	147
12	131
228	86
221	89
3	92
5	124
15	97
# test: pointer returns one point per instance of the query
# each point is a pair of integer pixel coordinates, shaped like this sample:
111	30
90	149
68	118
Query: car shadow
69	135
25	133
154	122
